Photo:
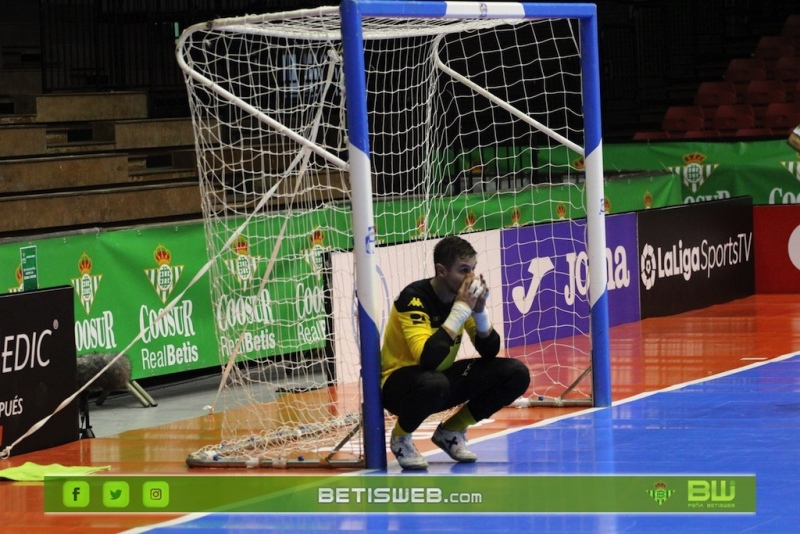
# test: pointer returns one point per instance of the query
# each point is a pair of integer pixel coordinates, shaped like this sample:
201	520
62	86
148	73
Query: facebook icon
75	494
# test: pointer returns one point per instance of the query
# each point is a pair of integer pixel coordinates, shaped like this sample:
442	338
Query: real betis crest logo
695	172
165	277
793	167
243	265
469	221
660	493
18	277
647	200
422	226
87	284
314	254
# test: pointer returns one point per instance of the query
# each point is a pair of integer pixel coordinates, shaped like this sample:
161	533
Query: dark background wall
654	53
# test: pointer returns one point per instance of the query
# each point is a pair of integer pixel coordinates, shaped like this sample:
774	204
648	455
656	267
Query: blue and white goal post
335	147
474	17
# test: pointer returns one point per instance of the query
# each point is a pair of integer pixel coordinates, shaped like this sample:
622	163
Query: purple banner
545	279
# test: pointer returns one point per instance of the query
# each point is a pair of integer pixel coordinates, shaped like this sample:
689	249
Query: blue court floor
741	422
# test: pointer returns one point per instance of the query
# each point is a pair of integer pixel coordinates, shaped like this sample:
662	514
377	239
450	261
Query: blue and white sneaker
454	444
406	453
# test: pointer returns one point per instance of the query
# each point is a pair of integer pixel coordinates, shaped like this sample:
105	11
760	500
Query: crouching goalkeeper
420	374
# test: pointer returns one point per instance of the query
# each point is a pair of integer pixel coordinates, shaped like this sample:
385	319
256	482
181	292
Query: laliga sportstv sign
695	255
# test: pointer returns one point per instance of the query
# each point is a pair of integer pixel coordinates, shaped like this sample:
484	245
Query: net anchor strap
353	431
560	401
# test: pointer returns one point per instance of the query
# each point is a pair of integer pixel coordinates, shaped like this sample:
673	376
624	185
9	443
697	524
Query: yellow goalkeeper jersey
416	315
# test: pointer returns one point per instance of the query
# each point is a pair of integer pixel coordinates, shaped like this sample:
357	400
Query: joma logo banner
546	278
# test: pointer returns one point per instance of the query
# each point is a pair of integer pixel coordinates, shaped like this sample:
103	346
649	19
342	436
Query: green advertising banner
768	171
123	280
659	494
289	316
405	220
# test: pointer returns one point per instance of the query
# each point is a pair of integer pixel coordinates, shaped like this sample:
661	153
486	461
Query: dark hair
451	249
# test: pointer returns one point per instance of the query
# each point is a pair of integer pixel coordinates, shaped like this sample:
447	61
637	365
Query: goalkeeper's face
454	277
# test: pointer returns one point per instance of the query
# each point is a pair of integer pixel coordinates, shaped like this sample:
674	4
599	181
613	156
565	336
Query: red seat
731	117
772	47
679	119
793	91
791	28
760	93
782	117
647	136
787	68
712	94
787	71
792	25
752	132
741	71
701	134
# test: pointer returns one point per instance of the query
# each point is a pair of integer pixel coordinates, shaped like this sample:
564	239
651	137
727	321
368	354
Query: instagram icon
155	494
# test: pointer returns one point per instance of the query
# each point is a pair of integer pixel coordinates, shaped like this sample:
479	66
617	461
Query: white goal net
475	128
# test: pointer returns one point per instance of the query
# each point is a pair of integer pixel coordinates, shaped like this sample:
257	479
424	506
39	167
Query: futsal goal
335	146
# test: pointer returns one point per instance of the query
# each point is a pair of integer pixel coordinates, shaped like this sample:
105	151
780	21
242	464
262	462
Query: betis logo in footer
87	284
164	277
660	493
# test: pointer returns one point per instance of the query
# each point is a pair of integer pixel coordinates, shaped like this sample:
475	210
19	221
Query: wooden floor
646	356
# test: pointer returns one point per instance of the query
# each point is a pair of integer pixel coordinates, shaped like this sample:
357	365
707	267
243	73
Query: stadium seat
793	92
791	28
741	71
701	134
783	117
647	136
787	68
772	47
760	93
752	132
787	71
680	119
712	94
731	117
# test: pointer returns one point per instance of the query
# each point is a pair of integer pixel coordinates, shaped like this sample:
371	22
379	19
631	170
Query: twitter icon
116	494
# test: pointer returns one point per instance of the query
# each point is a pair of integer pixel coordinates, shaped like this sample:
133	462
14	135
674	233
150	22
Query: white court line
636	397
177	521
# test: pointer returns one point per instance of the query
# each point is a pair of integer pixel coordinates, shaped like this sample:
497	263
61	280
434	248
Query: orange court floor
647	356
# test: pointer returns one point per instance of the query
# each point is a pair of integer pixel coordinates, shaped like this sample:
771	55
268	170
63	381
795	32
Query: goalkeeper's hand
470	300
480	289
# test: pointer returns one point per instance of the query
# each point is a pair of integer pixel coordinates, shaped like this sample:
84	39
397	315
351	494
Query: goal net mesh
475	129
